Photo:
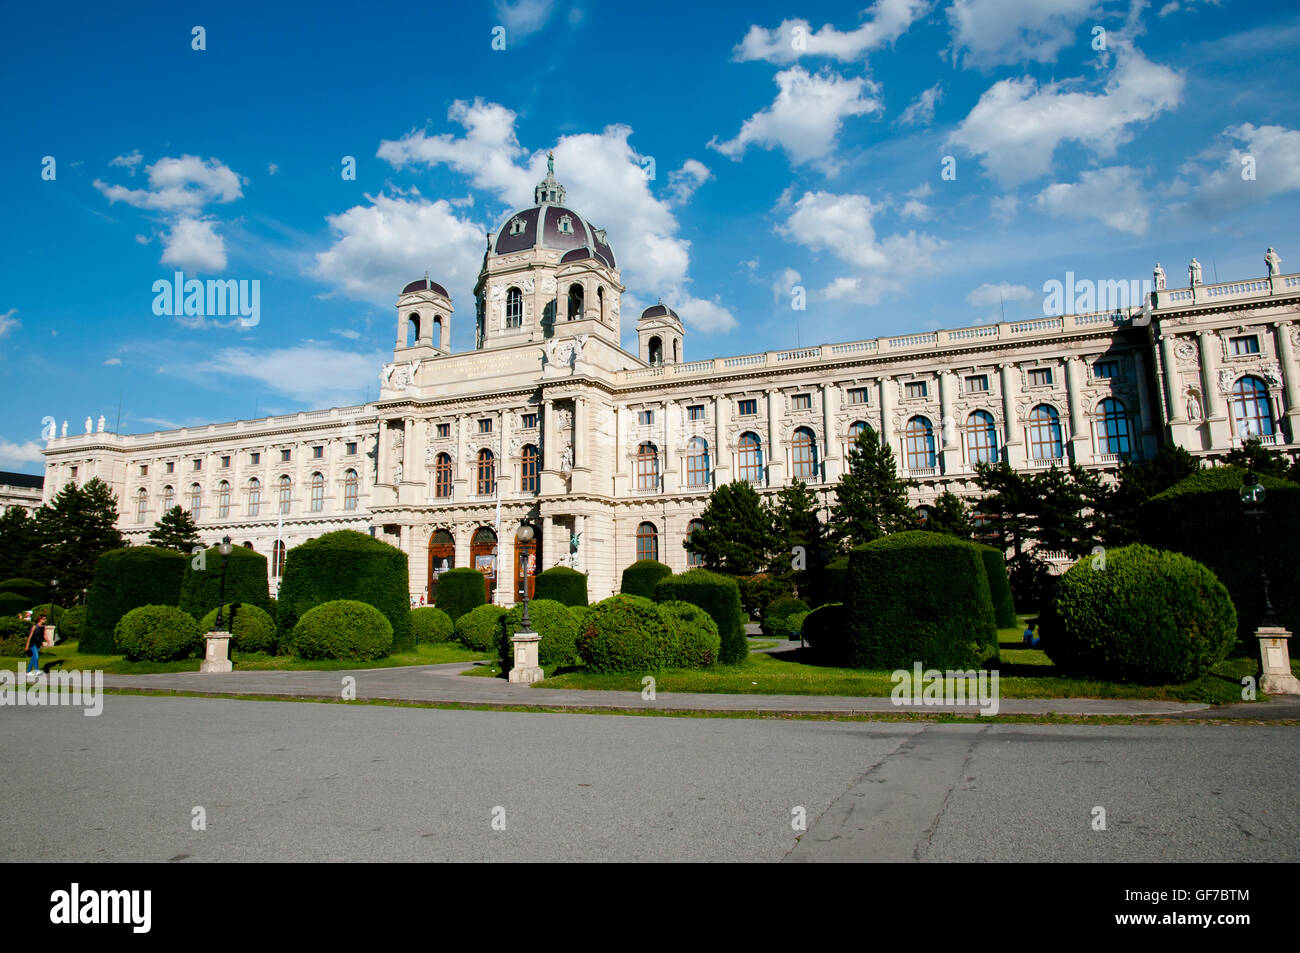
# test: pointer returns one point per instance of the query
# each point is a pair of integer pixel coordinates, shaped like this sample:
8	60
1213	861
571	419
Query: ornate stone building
611	455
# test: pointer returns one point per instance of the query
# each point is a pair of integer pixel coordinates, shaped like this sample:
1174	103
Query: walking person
35	639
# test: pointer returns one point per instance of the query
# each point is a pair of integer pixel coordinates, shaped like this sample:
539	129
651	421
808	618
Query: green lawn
425	654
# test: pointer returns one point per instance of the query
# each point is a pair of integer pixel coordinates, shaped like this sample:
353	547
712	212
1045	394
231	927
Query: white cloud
889	19
1005	32
187	183
990	294
914	207
194	244
1113	195
1173	6
523	18
1218	179
310	373
272	168
13	455
842	225
8	322
920	111
380	247
1003	207
348	333
784	282
128	162
1017	125
113	361
805	118
683	182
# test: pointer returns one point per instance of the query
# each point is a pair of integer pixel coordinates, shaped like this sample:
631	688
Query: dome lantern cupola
549	191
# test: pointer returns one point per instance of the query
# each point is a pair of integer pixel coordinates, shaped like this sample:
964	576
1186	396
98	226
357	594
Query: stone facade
610	455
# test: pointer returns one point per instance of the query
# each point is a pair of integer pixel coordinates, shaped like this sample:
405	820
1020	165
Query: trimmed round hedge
126	579
1151	617
553	622
53	614
13	635
12	603
995	567
919	596
246	581
73	624
346	566
639	578
343	629
31	589
157	634
625	634
480	628
431	624
774	621
459	591
562	584
794	623
579	614
251	628
695	639
757	592
826	630
1201	517
717	595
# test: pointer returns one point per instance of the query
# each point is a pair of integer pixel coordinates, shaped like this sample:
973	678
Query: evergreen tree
736	537
950	515
1138	482
870	499
175	529
18	544
1253	455
72	532
796	523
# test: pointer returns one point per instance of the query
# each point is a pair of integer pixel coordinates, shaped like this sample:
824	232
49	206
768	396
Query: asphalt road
292	781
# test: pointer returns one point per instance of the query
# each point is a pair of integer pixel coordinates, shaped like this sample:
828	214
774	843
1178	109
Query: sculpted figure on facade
89	425
1160	277
1273	262
64	433
1193	404
1194	273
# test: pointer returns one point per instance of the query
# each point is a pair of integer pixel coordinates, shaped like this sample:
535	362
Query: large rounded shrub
124	580
625	634
73	624
1149	616
13	635
921	597
12	603
480	628
757	592
717	595
639	578
343	629
562	584
30	589
53	614
430	624
695	639
246	581
157	634
553	622
459	591
1201	517
995	567
251	628
774	617
346	565
579	614
826	630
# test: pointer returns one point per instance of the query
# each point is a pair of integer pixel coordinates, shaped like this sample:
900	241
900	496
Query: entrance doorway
442	556
483	557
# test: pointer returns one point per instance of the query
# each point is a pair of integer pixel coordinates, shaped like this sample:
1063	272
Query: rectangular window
284	456
1105	369
198	464
1040	377
801	402
444	430
858	395
747	408
144	469
977	383
171	467
645	417
225	463
530	421
317	452
915	389
352	448
695	412
485	425
1245	345
255	458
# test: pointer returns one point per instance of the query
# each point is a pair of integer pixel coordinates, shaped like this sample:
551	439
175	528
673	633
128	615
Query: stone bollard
526	670
217	658
1275	661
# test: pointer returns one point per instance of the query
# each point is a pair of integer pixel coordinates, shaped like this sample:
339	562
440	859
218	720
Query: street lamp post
1275	676
525	642
224	548
217	658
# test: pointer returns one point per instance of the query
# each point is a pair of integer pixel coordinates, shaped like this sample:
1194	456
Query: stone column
1080	438
1290	379
672	438
830	405
1010	391
775	452
385	473
1146	443
721	452
887	413
950	452
622	484
581	464
1216	410
552	480
505	462
461	469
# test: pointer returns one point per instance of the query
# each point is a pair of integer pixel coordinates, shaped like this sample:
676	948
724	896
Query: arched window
922	516
600	300
918	444
698	471
803	455
196	501
514	308
1112	428
223	500
575	301
317	492
694	559
647	541
286	493
1251	414
529	481
254	496
412	329
168	499
856	428
1045	433
750	451
487	472
248	544
351	486
442	476
141	505
277	558
981	438
647	467
655	349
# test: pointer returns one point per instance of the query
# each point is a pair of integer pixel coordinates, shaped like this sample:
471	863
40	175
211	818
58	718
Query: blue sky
793	144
